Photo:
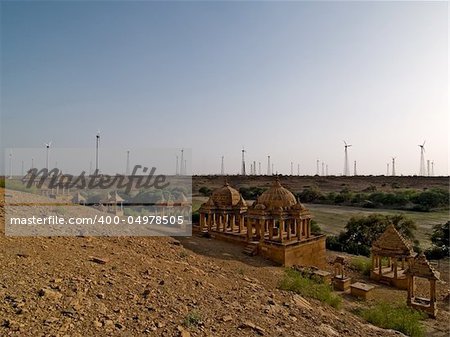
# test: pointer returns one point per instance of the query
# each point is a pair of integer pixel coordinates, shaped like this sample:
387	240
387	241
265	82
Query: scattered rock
250	325
49	293
227	318
99	260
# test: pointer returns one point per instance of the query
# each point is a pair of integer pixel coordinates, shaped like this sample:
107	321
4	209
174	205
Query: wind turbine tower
323	168
127	171
432	168
10	164
292	168
47	146
259	168
346	166
268	165
354	168
326	170
317	167
298	169
243	162
422	159
181	162
393	166
428	167
97	144
222	169
387	170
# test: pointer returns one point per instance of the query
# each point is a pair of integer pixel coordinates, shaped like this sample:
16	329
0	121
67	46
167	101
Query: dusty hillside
147	286
326	184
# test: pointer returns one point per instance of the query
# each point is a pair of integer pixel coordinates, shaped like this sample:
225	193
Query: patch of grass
395	316
362	264
183	254
193	318
294	281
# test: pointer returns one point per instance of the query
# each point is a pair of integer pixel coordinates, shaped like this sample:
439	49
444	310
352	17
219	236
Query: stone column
410	291
309	227
380	272
261	229
282	223
241	223
271	225
202	221
233	222
289	229
432	292
298	224
395	268
249	230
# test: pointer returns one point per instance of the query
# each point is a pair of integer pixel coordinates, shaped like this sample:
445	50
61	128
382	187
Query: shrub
2	182
251	193
310	195
440	242
196	217
192	318
315	228
362	264
295	282
397	317
206	191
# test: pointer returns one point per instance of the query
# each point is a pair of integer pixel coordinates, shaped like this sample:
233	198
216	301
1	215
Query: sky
287	79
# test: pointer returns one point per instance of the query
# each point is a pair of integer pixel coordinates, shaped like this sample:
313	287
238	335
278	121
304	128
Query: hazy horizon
292	80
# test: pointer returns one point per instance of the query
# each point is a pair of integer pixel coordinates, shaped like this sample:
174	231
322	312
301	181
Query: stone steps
251	249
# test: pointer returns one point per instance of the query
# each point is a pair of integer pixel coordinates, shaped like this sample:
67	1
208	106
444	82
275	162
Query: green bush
295	282
440	242
2	182
362	264
193	318
206	191
251	193
397	317
310	195
315	228
361	231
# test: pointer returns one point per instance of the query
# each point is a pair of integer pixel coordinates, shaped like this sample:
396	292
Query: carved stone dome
277	196
226	196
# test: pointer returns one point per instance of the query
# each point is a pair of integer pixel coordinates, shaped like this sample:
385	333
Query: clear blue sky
286	79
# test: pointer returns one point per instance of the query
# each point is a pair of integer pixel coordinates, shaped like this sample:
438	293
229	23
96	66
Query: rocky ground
153	286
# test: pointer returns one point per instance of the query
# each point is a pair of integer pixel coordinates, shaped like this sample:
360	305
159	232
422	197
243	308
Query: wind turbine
47	145
422	159
10	164
268	165
222	168
243	161
346	167
393	166
97	144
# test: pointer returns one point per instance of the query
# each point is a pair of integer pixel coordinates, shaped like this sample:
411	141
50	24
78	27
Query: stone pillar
410	291
249	230
309	228
226	222
298	224
202	221
241	223
395	268
261	229
288	229
232	222
271	225
282	224
380	272
432	292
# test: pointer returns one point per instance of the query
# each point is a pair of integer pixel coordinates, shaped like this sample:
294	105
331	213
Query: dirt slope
148	287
